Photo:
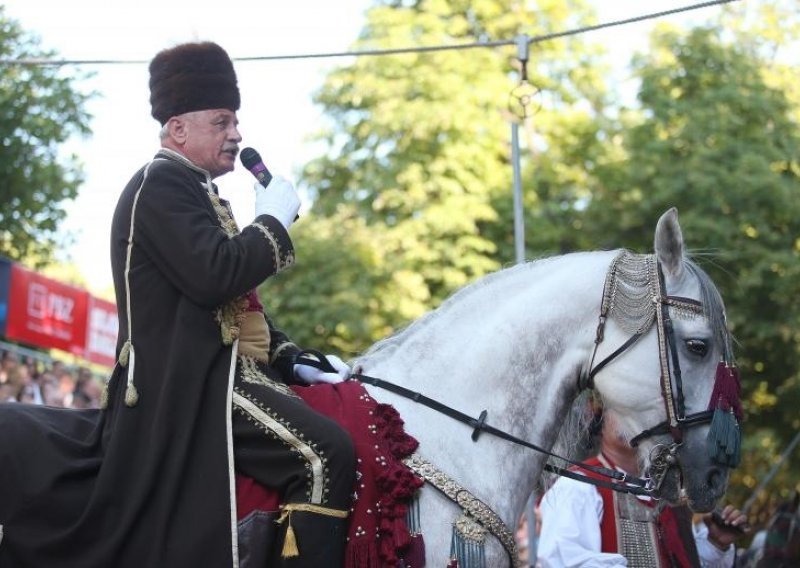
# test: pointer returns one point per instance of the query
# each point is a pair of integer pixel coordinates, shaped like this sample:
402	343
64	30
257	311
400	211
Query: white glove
312	375
278	199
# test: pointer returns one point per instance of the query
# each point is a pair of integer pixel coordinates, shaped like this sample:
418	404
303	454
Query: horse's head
672	370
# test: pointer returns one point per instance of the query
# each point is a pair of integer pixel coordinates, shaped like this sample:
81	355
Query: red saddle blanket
378	533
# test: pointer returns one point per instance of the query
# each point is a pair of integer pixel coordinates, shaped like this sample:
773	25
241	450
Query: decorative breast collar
474	508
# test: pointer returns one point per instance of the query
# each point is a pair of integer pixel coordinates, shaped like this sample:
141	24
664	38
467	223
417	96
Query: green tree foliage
715	139
39	110
413	197
419	142
345	290
770	30
723	145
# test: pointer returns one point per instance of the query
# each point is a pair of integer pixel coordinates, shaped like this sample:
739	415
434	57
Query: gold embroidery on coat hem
315	462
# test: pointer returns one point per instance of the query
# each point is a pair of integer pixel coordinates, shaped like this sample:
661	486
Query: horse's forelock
713	308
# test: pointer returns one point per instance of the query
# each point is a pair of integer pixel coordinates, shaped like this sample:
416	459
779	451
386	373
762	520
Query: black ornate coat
148	481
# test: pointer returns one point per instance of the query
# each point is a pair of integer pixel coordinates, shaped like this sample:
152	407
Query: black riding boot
258	534
320	540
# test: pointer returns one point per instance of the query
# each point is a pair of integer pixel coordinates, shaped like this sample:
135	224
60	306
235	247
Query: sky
277	116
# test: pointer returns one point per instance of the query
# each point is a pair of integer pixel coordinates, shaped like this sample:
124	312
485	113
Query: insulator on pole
523	45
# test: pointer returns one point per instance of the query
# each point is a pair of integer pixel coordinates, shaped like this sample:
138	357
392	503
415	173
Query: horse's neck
513	345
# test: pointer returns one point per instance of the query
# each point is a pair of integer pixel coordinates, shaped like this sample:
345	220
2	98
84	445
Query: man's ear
177	129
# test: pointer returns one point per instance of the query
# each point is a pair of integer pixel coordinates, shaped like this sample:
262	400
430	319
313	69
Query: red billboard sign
45	312
101	332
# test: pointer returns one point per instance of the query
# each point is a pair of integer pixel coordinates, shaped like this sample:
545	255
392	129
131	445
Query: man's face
211	139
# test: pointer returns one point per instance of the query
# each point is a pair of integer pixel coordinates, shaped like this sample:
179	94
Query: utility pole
519	100
520	111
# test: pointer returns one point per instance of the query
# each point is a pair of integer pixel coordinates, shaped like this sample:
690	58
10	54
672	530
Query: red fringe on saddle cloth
379	534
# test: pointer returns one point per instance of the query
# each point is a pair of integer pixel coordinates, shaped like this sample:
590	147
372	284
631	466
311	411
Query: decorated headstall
635	296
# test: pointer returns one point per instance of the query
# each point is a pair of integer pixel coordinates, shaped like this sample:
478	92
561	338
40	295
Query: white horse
518	344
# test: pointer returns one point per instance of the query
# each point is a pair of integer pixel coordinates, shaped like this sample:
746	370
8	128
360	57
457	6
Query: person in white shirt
588	526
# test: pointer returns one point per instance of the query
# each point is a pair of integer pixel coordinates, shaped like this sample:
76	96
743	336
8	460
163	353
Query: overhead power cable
388	51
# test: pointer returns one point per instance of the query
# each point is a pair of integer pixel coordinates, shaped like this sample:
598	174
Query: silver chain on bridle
634	296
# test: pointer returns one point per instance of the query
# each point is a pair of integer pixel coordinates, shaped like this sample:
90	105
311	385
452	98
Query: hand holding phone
740	530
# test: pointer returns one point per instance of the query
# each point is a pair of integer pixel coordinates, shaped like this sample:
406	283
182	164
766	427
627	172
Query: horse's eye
697	347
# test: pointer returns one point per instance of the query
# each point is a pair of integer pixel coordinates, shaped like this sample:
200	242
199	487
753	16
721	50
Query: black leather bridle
671	379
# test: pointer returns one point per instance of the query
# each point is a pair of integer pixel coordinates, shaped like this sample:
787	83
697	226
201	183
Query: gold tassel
290	542
124	352
290	548
131	392
227	336
131	395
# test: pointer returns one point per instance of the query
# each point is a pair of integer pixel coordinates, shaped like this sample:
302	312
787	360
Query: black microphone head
249	158
253	162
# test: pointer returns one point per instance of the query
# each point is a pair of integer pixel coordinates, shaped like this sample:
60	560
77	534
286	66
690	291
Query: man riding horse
199	392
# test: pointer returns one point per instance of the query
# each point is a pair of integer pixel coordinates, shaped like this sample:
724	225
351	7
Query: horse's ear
668	243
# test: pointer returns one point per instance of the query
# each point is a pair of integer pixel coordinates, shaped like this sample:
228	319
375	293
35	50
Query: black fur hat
190	77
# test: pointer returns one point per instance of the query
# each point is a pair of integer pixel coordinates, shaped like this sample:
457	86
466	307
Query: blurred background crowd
43	380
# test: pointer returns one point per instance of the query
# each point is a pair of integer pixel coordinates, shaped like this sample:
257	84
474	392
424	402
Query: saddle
379	533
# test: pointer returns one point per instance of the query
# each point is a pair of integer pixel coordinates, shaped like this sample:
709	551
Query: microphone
253	162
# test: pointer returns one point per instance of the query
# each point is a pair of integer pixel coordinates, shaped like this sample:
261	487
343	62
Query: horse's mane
577	439
710	296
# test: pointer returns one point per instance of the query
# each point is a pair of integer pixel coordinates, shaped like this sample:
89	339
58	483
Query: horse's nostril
714	478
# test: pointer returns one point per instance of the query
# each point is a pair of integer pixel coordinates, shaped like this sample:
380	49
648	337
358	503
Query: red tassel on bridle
727	392
724	438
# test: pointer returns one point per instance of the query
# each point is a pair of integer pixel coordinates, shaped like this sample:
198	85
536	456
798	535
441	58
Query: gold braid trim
289	508
282	260
252	374
470	504
290	549
308	451
224	214
231	314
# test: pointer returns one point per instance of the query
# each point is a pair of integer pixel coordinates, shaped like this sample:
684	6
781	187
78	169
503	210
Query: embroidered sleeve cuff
282	359
278	240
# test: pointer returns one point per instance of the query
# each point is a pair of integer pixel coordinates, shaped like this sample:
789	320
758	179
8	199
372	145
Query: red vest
675	541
